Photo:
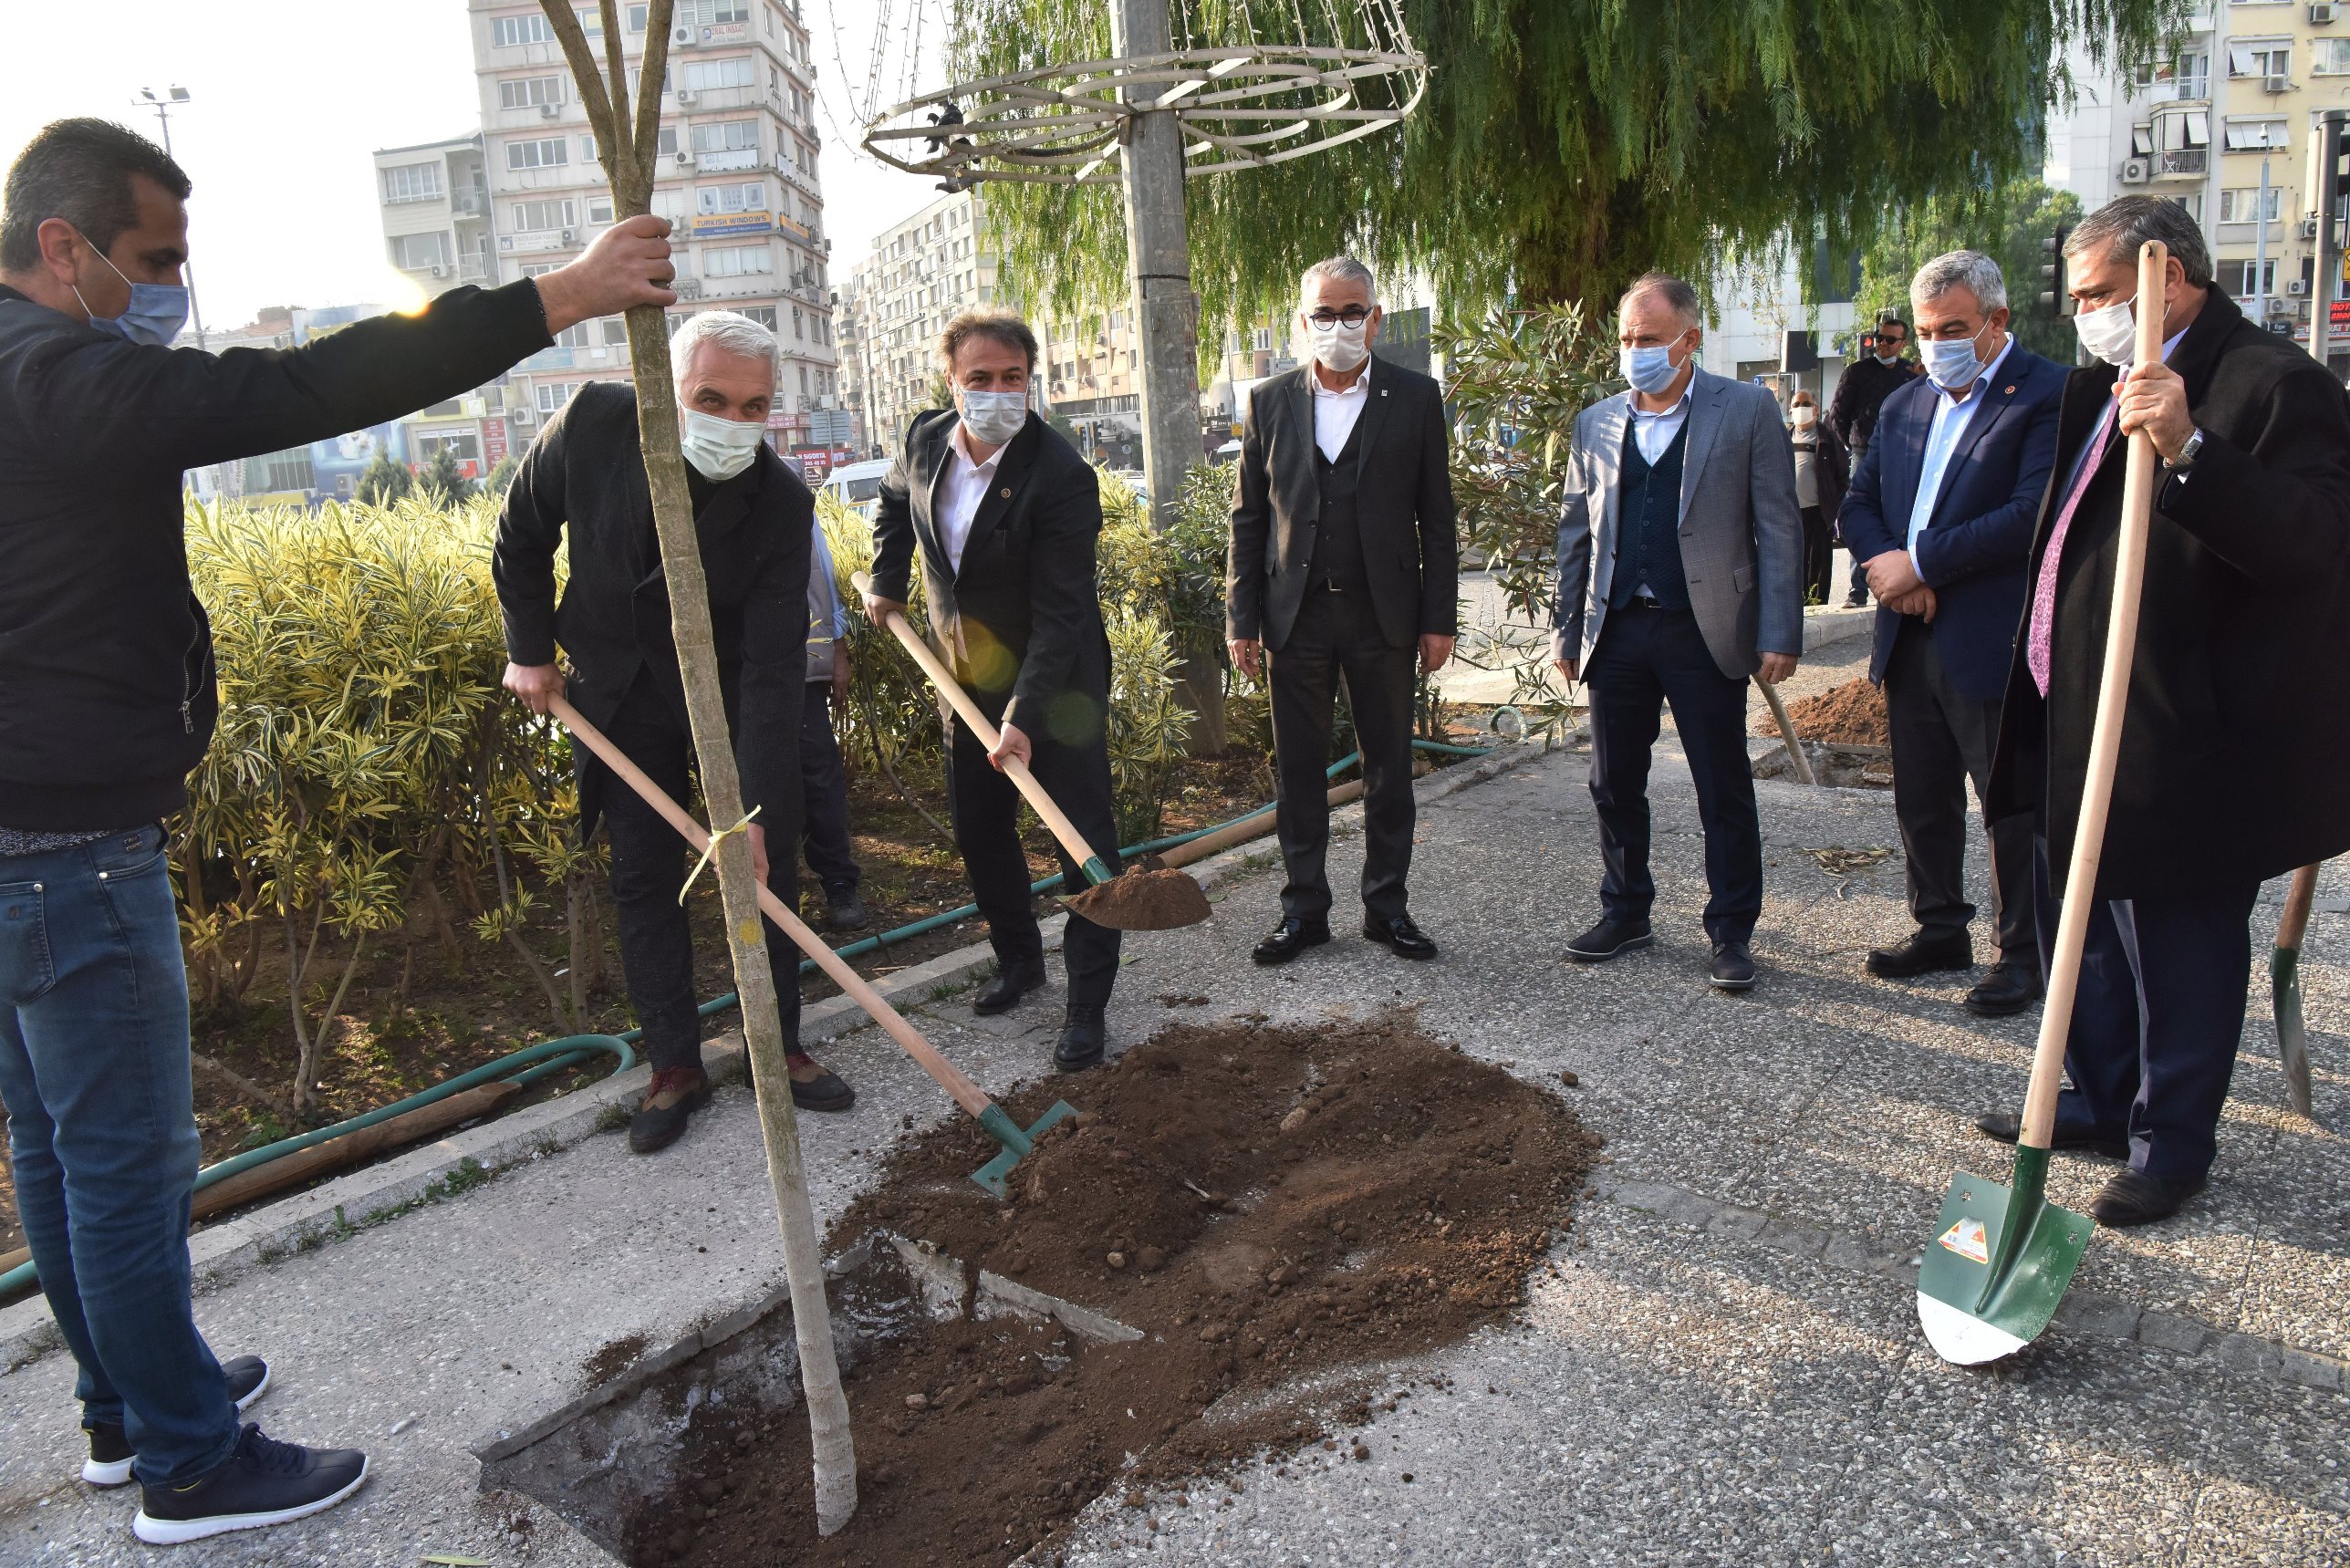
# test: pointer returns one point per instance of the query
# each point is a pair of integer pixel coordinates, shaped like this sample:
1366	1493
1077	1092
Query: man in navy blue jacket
1940	513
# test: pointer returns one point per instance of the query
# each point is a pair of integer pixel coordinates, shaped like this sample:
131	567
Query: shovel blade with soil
1146	900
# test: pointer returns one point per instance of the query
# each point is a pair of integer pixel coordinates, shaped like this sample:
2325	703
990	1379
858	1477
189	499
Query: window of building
668	140
287	470
803	381
2191	204
2260	57
587	151
412	182
553	395
615	332
549	152
749	197
573	337
463	445
547	214
2246	135
2245	279
2237	206
599	209
764	315
637	14
709	76
530	27
735	141
672	204
413	253
538	269
2329	56
530	92
737	261
799	324
1264	338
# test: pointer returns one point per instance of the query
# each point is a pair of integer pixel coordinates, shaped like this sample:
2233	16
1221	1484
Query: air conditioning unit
2309	227
2276	84
682	37
571	237
2134	171
2321	16
682	160
439	271
2296	285
523	414
550	110
684	99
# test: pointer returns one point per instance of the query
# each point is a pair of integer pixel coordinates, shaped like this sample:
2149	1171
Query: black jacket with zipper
107	683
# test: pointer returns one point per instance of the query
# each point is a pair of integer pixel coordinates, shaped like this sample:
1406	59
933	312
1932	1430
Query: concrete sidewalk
1724	1366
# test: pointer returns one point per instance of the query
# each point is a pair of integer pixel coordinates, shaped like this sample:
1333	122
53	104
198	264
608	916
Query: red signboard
494	441
2341	312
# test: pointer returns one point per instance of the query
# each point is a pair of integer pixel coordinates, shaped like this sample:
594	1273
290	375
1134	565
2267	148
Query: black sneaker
1732	968
111	1452
1608	938
265	1482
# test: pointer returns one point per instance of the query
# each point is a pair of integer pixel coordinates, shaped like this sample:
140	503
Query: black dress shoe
670	1102
1856	599
828	1091
844	911
1002	993
1732	968
2007	1126
1398	936
1083	1035
2134	1198
1922	953
1608	938
2009	988
1289	939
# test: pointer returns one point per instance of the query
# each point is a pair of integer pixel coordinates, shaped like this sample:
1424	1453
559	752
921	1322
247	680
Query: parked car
857	485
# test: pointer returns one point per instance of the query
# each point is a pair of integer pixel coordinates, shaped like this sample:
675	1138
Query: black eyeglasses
1327	320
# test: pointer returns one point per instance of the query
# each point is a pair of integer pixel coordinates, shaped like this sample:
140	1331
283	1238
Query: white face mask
992	418
719	449
1804	417
1342	347
2110	332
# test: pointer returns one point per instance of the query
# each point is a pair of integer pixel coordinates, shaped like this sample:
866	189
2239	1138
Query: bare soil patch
1283	1212
1851	714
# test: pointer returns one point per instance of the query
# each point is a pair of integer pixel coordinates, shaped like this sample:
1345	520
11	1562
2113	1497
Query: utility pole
163	107
1158	266
2333	136
2261	251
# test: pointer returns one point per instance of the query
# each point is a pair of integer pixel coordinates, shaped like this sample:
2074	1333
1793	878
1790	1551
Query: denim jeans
102	1129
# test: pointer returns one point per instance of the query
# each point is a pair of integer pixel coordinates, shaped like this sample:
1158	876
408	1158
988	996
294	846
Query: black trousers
1819	556
824	798
648	865
2156	1020
1337	634
986	809
1645	659
1940	740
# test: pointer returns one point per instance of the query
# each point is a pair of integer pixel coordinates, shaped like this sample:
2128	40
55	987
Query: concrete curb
435	1171
2083	1311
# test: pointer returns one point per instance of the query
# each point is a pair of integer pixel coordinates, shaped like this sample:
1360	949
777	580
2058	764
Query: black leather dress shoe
1608	938
1922	953
1083	1035
2007	1126
2008	989
1399	935
1732	968
2134	1198
1289	939
1002	993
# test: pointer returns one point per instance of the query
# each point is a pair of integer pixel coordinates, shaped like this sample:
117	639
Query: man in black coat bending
1344	562
752	517
2235	752
1005	513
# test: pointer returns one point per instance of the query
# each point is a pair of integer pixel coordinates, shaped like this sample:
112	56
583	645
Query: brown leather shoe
675	1094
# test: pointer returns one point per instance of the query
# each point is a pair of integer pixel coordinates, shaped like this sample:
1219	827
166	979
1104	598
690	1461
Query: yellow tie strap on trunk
710	850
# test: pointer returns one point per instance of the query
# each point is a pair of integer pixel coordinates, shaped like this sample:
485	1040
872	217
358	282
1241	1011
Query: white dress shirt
1951	419
1656	431
961	489
1335	413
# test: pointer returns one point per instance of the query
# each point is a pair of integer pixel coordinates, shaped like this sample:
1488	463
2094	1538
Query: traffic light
2055	300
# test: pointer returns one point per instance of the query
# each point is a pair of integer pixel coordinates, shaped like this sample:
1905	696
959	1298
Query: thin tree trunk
628	145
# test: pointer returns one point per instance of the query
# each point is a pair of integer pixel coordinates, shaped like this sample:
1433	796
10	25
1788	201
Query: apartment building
2237	102
917	275
737	178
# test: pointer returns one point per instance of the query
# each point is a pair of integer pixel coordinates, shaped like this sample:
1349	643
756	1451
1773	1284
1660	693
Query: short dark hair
1002	325
2124	223
1678	296
1891	318
80	171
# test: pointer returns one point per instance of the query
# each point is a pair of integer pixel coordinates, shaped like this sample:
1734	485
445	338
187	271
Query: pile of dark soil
1272	1206
1851	714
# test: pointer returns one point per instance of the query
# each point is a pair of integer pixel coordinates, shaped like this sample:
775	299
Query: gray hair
1971	270
732	332
2118	228
1337	269
1678	296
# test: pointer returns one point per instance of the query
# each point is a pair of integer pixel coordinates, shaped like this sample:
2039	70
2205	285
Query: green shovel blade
2292	1034
1997	1264
995	1174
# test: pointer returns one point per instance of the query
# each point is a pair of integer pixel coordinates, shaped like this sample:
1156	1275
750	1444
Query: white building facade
920	273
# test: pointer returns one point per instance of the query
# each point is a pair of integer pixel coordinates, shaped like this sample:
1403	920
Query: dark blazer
1411	549
584	472
2235	754
1972	551
1021	621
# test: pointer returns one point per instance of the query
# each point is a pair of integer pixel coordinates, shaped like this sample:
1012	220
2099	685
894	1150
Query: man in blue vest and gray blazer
1941	515
1679	574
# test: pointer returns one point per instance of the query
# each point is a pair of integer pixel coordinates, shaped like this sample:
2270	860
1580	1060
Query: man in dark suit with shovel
2235	751
1005	513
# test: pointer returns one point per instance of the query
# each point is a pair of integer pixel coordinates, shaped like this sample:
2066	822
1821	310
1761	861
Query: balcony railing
2181	161
731	157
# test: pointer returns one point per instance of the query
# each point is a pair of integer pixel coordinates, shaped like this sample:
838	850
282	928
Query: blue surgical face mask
1649	369
1953	364
156	312
719	449
992	418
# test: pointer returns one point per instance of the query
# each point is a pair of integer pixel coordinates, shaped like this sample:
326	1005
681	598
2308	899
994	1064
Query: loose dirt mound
1140	901
1851	714
1265	1204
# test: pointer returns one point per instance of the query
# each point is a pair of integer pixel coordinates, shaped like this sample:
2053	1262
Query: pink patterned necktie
2043	593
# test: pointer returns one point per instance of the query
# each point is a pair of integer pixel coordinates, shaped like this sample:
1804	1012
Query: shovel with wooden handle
1139	900
2001	1257
2284	988
1786	731
991	1117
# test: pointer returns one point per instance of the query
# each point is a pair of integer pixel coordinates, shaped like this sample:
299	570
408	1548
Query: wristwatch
2188	453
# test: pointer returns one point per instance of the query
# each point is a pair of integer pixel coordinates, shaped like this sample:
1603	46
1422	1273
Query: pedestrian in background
1679	576
1941	516
1819	490
824	779
2235	757
1859	398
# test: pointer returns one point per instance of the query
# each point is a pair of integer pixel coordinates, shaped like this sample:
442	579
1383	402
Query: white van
857	485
